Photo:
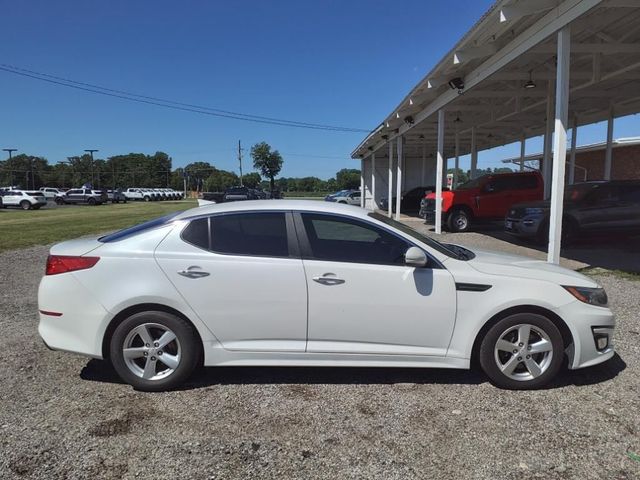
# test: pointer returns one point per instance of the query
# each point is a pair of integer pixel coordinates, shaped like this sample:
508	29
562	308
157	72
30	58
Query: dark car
240	193
590	207
410	201
82	195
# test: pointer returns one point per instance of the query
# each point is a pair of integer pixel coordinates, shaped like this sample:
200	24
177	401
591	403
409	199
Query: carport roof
513	44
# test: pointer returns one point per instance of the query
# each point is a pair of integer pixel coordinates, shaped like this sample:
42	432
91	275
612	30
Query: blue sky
346	63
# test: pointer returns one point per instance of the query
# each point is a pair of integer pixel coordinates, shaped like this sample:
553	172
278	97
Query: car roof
277	205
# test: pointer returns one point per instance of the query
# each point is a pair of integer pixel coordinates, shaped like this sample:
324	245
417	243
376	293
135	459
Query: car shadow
101	371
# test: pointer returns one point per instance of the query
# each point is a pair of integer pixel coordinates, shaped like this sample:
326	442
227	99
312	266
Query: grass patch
20	229
617	273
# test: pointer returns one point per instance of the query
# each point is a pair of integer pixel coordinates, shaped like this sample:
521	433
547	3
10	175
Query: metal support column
362	190
399	145
423	177
572	154
474	153
609	151
546	155
522	152
560	144
439	168
374	205
456	163
390	179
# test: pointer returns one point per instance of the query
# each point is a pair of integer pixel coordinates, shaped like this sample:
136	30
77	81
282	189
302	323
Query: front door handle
193	272
328	279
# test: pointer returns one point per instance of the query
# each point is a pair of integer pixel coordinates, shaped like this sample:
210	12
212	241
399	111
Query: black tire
189	348
147	198
91	201
59	201
25	205
489	358
459	220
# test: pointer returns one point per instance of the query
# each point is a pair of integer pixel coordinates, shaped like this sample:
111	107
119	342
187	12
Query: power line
91	88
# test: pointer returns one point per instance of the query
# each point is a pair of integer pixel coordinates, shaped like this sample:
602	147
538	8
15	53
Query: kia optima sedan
309	283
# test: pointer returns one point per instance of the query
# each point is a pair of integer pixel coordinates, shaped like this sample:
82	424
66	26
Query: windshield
444	249
576	193
471	184
136	229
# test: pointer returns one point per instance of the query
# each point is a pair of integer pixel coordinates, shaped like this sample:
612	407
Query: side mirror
415	257
489	188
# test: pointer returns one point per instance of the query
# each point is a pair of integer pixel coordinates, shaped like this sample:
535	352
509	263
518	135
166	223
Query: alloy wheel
151	351
523	352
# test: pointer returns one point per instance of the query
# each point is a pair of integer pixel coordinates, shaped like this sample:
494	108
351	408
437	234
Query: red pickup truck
484	198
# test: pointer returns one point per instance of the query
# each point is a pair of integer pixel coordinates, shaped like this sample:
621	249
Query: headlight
533	211
592	296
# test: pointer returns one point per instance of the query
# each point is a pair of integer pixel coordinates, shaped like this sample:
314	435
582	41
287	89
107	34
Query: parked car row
234	194
152	194
517	199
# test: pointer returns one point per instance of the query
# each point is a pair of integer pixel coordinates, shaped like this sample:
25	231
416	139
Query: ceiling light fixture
530	84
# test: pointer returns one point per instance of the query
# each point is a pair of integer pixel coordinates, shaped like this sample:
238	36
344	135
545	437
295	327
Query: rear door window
259	234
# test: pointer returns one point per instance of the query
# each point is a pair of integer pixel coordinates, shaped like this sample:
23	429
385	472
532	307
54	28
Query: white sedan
313	283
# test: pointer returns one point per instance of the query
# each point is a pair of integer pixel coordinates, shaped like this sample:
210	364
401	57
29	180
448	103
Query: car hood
496	263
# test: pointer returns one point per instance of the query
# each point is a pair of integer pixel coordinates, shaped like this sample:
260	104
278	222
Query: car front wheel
25	205
154	351
522	351
459	221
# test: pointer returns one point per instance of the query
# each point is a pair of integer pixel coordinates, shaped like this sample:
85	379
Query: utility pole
240	161
91	150
10	150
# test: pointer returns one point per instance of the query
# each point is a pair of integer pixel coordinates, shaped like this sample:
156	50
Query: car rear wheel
25	205
522	351
59	201
154	351
147	198
91	201
459	221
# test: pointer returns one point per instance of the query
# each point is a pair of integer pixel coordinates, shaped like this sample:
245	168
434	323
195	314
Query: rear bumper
83	320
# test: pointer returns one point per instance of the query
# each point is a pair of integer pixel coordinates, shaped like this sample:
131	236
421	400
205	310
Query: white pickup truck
138	194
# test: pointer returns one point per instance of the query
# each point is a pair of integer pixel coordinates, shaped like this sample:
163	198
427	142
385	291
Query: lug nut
515	350
529	347
146	354
156	344
528	356
153	359
521	344
147	345
159	352
519	358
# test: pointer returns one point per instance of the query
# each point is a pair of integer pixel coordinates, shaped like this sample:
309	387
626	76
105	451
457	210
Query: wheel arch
461	206
567	337
145	307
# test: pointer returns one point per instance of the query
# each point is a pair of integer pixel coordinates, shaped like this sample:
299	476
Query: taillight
66	263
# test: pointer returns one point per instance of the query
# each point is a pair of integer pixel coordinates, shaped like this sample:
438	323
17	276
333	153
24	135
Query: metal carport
526	68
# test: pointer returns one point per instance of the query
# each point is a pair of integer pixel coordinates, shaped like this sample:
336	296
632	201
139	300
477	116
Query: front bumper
584	322
527	226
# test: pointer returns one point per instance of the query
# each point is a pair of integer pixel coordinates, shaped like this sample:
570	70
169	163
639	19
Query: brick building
590	160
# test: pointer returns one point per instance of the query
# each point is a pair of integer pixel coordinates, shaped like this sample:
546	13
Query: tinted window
197	233
603	194
259	234
343	239
524	182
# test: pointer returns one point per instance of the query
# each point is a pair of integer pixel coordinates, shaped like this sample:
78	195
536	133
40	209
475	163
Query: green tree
348	178
268	162
220	180
251	180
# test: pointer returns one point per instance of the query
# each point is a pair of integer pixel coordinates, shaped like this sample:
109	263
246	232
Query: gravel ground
64	416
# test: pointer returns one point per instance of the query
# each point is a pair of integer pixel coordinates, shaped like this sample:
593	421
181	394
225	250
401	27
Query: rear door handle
328	279
193	272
